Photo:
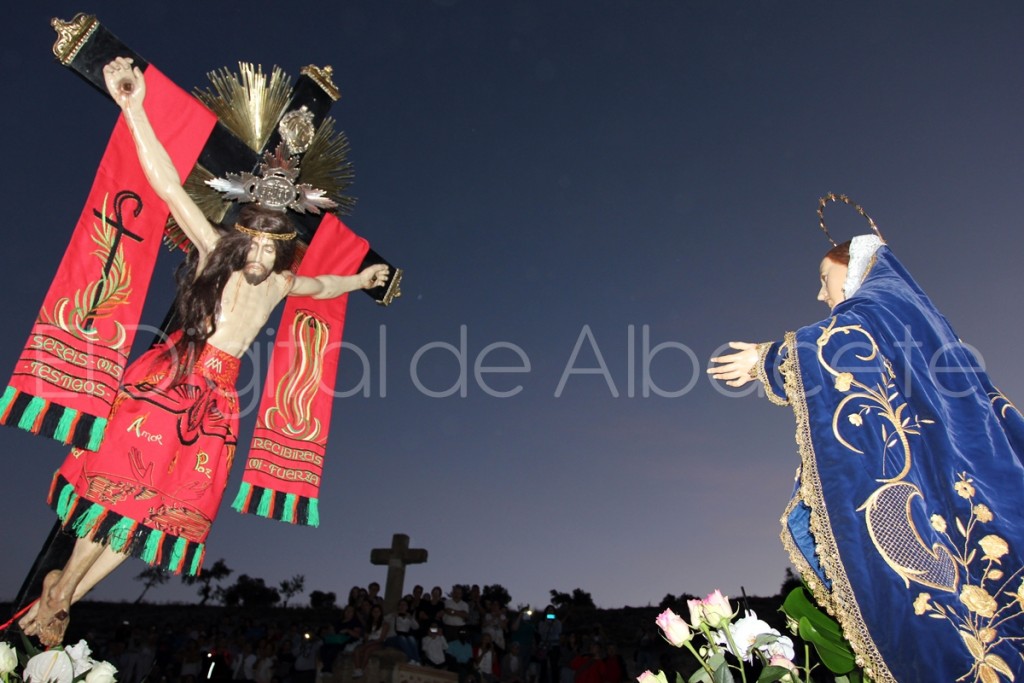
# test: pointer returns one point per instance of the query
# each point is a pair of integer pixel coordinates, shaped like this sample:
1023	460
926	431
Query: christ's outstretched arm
127	87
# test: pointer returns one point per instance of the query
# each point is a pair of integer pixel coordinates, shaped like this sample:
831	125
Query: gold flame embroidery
292	412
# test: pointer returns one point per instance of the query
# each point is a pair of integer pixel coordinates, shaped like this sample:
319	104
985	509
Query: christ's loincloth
153	488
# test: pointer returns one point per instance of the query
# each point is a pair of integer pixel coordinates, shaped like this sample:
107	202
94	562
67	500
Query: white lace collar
862	250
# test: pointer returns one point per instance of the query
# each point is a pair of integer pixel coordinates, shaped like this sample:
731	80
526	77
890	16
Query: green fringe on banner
177	554
264	507
290	501
10	393
197	559
118	534
96	434
64	501
152	546
63	431
32	411
242	497
313	518
85	523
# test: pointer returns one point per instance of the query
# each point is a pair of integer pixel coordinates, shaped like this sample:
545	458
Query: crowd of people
477	637
481	640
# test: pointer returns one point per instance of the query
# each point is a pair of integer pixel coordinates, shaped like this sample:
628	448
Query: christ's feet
48	617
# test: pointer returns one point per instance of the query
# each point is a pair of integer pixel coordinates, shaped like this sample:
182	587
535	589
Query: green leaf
701	676
835	654
717	660
821	630
798	604
772	673
855	676
723	674
764	639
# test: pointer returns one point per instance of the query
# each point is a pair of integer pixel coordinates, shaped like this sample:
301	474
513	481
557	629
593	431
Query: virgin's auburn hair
197	304
840	253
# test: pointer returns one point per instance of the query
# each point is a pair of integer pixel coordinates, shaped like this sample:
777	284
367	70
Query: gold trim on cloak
840	602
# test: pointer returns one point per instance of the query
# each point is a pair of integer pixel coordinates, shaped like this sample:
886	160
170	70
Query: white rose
783	647
80	657
745	631
101	672
8	659
52	666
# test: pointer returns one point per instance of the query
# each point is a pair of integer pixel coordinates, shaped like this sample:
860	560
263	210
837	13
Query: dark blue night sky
566	184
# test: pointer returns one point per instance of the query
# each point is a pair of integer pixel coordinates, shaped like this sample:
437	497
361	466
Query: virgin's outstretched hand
735	368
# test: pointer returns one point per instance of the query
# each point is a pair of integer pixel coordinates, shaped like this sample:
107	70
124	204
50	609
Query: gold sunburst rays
325	165
248	103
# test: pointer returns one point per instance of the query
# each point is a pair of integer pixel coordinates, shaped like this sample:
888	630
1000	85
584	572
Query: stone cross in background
396	558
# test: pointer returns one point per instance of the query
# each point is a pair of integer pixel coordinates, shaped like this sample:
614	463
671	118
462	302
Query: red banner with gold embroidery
68	374
285	464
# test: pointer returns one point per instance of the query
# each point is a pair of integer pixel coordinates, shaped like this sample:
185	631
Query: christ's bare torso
244	309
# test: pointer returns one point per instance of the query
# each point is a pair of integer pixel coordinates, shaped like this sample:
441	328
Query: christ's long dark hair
198	301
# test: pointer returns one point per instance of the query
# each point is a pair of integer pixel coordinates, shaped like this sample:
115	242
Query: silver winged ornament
274	186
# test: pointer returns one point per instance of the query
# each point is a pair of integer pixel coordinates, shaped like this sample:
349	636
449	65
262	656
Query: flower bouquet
730	645
56	665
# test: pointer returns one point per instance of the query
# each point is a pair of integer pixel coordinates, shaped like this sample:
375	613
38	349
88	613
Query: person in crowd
305	657
434	647
430	610
513	668
376	633
495	623
460	657
402	627
486	660
588	666
455	613
373	594
549	638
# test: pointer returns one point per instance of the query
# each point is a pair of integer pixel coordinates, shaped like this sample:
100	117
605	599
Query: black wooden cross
86	46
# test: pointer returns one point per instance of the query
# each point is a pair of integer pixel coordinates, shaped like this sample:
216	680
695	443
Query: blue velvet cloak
907	521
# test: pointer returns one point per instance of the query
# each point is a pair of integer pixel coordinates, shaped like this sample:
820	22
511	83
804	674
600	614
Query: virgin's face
832	275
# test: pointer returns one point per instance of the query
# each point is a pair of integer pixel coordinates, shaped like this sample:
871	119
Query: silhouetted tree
249	592
321	600
292	587
578	598
150	576
205	579
791	581
668	602
581	598
496	592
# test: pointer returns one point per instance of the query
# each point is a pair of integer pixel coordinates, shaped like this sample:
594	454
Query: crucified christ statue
164	463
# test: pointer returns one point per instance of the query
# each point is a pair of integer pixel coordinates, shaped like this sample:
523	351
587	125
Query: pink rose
696	612
674	628
648	677
717	611
779	660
